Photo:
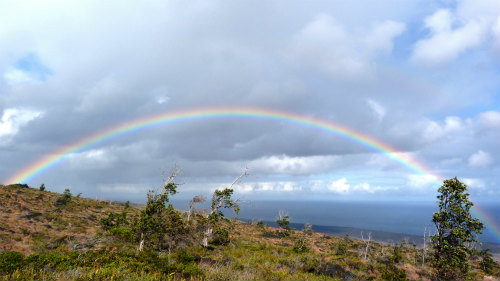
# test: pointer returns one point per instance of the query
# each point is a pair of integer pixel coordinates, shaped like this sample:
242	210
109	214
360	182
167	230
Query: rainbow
47	162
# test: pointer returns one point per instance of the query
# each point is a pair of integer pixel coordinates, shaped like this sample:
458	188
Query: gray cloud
94	66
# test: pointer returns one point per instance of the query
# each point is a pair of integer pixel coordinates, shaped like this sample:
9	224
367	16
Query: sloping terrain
50	236
31	220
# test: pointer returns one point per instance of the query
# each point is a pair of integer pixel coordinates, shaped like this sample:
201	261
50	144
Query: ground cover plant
85	239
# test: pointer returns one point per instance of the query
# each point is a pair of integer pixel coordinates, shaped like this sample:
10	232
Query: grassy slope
66	243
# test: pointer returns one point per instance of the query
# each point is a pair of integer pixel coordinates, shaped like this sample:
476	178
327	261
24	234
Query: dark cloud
89	67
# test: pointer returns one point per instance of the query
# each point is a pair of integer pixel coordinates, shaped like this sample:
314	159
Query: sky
420	76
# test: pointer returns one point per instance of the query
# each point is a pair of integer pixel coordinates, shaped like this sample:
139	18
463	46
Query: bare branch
244	174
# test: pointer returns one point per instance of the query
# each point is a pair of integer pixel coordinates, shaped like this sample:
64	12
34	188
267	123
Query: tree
283	222
192	204
160	226
221	199
42	187
456	231
64	199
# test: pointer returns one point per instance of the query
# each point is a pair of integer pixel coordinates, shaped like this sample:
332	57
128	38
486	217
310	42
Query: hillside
50	236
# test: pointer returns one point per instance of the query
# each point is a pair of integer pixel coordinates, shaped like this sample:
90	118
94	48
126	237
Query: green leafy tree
160	226
456	231
215	231
42	187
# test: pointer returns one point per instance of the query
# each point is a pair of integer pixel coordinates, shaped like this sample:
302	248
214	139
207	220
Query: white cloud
162	99
378	110
327	44
339	186
473	183
489	120
15	118
445	43
432	130
14	76
380	38
421	181
91	159
480	159
453	32
283	164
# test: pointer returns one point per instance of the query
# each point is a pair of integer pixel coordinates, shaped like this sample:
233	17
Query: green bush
392	273
10	261
64	199
300	246
487	263
113	220
220	237
122	232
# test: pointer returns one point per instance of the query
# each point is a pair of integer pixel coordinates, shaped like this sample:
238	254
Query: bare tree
196	199
424	249
367	243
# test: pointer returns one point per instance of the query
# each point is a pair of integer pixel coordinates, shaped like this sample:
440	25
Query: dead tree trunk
367	242
424	248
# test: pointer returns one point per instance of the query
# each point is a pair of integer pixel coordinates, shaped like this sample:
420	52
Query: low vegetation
50	236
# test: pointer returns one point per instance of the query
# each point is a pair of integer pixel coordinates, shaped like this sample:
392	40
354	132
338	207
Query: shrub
42	187
10	261
64	199
392	273
220	236
113	220
487	263
300	245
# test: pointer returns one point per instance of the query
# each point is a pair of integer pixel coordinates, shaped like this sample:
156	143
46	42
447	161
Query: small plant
392	273
113	220
42	187
284	224
300	245
127	204
487	263
308	229
398	252
10	261
64	199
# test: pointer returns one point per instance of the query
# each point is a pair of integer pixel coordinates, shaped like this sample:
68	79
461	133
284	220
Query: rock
57	242
31	215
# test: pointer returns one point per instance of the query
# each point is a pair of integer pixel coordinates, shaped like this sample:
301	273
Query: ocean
387	221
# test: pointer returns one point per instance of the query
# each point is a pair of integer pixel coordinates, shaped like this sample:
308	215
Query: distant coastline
377	235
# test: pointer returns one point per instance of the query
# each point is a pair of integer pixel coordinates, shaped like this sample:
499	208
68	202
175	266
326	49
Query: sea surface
387	221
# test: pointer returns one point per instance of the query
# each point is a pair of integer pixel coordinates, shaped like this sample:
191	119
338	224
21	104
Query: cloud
90	67
15	118
421	182
28	69
446	43
378	110
329	45
474	183
284	164
339	186
453	32
480	159
91	159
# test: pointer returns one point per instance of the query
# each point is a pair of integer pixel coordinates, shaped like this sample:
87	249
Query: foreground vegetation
50	236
